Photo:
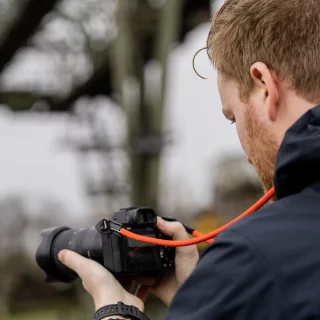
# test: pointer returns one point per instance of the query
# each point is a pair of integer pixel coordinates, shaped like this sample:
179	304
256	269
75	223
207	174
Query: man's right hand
185	262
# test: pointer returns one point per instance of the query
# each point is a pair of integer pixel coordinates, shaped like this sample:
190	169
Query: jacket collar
298	161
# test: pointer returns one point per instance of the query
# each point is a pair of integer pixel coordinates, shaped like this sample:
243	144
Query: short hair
283	34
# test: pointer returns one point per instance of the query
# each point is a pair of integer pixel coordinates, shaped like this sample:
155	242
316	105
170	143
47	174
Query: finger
142	293
73	261
175	229
81	265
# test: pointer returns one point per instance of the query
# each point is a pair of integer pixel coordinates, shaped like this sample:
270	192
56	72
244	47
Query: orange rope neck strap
199	237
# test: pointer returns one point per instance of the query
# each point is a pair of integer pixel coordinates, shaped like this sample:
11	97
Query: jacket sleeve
231	281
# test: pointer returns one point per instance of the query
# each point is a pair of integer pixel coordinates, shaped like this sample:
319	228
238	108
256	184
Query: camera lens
86	242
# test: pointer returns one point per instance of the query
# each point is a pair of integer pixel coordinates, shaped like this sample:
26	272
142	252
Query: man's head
267	54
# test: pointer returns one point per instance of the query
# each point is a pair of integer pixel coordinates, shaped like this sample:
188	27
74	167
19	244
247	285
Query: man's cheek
243	138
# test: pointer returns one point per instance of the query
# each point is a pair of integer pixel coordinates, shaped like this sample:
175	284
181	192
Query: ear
266	82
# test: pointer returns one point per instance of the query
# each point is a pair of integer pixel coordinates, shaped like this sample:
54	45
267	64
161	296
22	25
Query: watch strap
118	309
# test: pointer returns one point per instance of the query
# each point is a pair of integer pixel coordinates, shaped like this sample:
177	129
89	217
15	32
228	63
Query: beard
262	148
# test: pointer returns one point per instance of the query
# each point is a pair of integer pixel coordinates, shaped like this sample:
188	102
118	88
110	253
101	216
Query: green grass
38	315
46	315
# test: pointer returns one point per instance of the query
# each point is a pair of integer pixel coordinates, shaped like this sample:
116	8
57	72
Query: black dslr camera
103	243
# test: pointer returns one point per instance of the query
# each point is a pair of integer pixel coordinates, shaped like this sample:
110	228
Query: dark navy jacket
267	266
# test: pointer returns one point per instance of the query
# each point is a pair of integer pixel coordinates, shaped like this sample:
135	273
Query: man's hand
99	282
185	262
105	288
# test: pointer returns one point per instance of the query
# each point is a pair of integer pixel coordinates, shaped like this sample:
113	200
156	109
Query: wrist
119	311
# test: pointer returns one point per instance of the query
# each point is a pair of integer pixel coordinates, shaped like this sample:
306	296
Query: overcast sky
32	161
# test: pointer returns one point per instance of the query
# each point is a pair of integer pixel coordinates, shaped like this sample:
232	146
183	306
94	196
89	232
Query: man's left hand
100	283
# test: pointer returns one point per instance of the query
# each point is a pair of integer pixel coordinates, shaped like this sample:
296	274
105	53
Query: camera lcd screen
140	253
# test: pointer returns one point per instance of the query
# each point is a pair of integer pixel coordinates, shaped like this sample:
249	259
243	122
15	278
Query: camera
104	244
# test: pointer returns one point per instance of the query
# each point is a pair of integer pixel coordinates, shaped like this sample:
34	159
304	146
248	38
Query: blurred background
100	109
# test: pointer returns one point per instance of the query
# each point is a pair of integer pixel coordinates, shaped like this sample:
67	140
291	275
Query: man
267	266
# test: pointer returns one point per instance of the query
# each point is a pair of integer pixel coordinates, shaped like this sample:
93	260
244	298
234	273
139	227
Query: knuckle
74	263
179	232
177	226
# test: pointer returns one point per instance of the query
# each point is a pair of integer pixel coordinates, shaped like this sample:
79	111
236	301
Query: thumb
91	272
75	262
174	229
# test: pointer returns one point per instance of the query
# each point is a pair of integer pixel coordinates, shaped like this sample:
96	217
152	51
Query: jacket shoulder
277	218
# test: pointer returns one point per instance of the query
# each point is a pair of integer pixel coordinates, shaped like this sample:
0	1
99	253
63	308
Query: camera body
104	244
123	255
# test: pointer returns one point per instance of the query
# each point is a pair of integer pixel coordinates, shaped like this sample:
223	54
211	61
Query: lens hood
44	255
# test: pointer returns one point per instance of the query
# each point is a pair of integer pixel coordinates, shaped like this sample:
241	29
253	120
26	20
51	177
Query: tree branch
24	28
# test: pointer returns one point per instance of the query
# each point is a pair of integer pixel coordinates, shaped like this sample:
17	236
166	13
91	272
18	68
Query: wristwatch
120	309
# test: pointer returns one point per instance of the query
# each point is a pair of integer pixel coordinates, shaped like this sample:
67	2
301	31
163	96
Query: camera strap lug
107	226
